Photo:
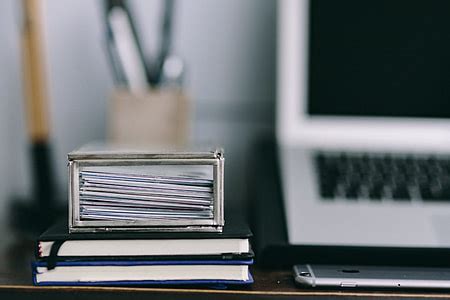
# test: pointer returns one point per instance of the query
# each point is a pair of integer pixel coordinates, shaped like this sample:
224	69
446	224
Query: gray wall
229	46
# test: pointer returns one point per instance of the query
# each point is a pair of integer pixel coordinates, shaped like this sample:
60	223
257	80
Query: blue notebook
107	273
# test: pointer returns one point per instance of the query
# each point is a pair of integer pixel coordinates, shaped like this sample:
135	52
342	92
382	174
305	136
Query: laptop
363	122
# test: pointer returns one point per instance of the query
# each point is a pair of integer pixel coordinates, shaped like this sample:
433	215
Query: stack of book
144	217
138	258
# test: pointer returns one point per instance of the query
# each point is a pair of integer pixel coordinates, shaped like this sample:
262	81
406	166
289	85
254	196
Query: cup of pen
148	105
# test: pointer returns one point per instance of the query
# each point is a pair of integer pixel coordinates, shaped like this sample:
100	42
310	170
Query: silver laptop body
312	135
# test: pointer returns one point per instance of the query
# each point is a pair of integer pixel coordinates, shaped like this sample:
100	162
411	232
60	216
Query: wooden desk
15	283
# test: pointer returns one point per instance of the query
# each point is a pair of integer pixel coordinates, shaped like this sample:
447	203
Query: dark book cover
59	234
233	229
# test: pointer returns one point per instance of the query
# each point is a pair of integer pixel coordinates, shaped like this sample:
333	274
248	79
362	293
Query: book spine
38	250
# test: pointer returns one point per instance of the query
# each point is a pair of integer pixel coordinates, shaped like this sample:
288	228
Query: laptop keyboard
383	176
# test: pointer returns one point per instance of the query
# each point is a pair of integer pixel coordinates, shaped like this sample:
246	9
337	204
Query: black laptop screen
379	58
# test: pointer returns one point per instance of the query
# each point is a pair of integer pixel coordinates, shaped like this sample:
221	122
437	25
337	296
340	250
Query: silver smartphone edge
304	275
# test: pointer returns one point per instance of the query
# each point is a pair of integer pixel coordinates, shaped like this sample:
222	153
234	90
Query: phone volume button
349	284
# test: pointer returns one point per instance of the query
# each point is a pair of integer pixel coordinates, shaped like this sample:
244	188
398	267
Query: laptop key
351	194
425	193
327	191
445	194
401	193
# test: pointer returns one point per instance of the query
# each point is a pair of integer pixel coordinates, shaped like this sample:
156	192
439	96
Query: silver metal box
100	158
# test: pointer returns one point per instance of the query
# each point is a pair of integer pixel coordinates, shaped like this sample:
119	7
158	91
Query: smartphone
337	276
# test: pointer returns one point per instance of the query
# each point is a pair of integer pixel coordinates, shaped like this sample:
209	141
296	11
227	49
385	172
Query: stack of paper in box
121	196
143	258
112	188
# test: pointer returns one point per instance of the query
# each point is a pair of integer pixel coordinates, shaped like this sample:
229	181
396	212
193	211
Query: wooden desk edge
233	292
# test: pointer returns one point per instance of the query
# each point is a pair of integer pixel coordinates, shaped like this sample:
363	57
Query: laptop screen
379	58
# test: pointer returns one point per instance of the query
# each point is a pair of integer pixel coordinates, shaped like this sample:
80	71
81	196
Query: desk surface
15	282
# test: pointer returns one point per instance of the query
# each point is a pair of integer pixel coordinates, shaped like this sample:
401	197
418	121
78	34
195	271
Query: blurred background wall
229	49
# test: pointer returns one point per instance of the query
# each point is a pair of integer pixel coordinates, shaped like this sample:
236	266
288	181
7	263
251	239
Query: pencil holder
156	116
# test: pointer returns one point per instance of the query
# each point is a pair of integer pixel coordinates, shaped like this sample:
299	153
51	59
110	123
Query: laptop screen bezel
294	126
